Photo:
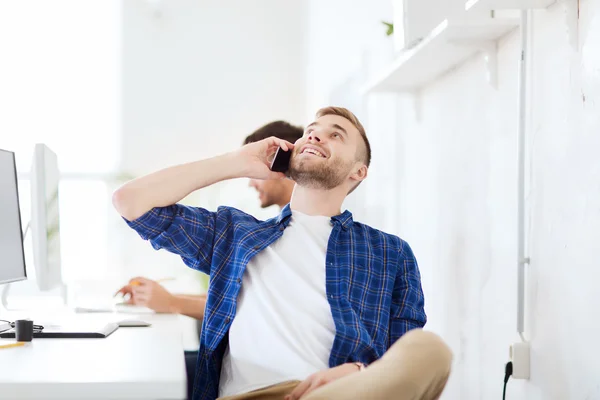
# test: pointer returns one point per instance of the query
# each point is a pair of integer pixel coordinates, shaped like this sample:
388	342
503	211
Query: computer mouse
132	323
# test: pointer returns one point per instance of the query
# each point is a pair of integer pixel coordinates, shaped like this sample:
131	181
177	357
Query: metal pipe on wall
522	260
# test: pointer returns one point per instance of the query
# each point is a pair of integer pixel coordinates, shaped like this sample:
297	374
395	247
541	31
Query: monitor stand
4	326
6	288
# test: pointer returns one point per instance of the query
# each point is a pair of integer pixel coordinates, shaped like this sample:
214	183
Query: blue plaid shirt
372	279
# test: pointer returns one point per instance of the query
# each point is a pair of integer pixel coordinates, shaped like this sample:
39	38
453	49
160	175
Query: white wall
59	78
455	197
459	196
198	76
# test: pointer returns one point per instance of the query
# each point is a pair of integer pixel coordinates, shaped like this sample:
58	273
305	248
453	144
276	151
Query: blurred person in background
141	291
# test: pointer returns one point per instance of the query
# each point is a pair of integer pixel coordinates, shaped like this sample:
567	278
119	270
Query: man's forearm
170	185
191	306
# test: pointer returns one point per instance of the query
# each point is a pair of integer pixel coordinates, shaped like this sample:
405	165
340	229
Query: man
149	293
301	303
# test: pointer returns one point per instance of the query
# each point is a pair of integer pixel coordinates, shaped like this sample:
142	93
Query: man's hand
255	158
148	293
321	378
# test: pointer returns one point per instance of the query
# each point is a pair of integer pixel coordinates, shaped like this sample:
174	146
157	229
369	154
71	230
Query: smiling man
310	304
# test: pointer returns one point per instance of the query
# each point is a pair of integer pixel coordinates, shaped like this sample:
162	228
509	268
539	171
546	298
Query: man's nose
314	137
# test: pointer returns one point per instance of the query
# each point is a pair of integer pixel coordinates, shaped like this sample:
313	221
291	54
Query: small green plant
390	28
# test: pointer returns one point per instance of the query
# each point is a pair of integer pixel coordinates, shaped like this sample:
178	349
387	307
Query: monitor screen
12	257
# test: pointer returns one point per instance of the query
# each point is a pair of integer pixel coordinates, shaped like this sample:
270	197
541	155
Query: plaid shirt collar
345	218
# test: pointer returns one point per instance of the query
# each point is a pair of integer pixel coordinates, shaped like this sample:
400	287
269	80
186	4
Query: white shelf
487	5
447	46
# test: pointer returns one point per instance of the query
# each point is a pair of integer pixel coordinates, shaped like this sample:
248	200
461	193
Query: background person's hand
147	293
127	293
257	157
321	378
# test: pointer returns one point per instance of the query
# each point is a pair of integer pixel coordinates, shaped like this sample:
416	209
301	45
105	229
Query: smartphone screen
281	162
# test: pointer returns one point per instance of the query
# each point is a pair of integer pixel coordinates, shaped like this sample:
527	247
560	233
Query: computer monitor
45	231
45	221
12	256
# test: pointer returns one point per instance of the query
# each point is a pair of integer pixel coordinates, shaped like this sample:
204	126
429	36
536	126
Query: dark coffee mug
23	330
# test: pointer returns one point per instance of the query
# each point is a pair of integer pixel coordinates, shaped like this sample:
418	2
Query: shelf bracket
489	50
572	22
490	57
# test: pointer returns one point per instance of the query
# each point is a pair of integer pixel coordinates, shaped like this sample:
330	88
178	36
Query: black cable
508	370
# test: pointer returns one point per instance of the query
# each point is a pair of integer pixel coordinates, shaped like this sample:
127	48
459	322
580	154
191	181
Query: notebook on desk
70	330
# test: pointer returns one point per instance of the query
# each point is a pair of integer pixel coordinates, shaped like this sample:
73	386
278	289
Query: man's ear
360	174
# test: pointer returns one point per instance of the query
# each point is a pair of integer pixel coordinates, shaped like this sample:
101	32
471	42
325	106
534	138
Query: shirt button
256	247
239	280
281	228
227	320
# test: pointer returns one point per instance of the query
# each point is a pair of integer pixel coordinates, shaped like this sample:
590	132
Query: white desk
132	363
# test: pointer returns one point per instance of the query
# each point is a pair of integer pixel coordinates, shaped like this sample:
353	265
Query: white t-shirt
283	329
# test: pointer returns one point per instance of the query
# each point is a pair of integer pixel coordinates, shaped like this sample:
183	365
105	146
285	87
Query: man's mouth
314	151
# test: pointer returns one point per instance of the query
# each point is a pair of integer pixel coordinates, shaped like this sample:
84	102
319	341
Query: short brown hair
279	129
345	113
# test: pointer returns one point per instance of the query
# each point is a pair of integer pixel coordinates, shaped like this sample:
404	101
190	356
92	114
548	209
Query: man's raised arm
170	185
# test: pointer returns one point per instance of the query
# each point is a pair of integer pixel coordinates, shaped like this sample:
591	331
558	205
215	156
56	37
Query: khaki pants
416	367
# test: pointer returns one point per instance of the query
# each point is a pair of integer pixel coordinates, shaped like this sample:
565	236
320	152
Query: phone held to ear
281	162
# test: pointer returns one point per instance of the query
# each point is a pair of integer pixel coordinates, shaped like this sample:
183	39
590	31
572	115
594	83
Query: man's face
270	192
326	156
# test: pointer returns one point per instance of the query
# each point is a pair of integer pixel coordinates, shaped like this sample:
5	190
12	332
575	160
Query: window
59	85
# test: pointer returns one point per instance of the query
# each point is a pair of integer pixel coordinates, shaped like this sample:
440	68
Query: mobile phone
281	161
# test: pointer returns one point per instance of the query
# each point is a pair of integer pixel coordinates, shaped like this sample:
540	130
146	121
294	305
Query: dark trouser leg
191	357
